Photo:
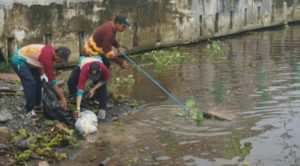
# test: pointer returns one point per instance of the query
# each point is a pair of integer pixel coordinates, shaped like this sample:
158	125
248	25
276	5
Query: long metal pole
156	83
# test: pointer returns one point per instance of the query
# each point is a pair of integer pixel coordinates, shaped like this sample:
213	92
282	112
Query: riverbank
41	141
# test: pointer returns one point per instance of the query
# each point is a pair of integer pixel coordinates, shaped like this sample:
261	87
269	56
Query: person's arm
78	102
80	88
115	43
46	59
62	99
104	78
119	61
98	85
41	71
108	40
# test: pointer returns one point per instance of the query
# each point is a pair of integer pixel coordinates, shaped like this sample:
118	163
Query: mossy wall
155	23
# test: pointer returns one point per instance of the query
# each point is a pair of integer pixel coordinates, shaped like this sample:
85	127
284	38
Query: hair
119	19
63	52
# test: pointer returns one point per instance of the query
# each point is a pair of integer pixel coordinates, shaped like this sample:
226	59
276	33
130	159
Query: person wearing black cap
34	63
89	68
101	41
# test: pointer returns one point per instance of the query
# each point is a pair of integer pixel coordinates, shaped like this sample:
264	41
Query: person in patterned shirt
34	63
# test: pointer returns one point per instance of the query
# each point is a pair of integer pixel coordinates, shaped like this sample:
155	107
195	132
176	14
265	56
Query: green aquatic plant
285	25
134	161
246	164
43	144
115	89
23	132
134	104
22	156
129	80
213	48
192	113
238	150
72	107
164	58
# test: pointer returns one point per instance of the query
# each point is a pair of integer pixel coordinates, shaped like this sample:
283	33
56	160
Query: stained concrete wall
155	23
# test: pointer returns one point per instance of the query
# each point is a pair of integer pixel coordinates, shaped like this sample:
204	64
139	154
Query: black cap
94	71
122	20
64	53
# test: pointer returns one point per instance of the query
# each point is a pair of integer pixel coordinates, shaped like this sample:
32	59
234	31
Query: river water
256	83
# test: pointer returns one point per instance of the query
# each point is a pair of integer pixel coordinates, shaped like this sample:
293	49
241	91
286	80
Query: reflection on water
258	76
258	80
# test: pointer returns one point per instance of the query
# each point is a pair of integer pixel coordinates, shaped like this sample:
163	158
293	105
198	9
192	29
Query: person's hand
124	65
121	50
44	78
76	113
92	92
63	103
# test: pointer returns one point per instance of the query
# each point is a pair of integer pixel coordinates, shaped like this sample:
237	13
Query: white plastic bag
87	122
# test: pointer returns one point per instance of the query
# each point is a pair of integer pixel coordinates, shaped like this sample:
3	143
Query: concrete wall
156	23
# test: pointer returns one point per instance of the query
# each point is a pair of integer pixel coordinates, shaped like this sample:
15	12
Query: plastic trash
87	122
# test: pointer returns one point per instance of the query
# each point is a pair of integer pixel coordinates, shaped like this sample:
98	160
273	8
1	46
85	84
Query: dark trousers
32	85
105	60
100	94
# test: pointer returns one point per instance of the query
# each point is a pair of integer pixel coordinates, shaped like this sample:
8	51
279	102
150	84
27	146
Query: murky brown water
258	81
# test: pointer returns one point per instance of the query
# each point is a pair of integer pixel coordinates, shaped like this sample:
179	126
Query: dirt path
9	77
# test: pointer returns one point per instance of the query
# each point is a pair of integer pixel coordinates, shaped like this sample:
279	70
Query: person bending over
34	63
89	68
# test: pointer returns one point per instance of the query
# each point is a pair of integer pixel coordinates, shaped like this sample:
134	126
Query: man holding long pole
101	41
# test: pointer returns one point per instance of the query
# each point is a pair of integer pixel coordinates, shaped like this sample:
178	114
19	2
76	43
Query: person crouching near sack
89	68
34	63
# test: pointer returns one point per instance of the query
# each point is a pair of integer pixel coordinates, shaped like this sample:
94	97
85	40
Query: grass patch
5	67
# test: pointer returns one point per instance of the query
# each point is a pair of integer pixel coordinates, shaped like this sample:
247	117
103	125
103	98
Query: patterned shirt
102	41
38	56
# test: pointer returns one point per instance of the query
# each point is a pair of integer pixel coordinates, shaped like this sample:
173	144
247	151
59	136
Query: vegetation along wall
155	23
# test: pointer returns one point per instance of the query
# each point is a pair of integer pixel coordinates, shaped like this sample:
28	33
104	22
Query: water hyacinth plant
163	58
285	25
193	112
128	81
43	143
213	48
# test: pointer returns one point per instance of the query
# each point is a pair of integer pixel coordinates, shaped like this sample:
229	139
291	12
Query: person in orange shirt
34	63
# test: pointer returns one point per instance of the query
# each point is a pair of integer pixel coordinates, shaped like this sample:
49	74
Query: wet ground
257	81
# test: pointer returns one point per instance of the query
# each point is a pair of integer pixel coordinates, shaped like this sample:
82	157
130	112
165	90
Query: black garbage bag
51	107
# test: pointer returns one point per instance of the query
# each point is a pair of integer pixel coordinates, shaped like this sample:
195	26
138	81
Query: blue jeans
100	94
31	83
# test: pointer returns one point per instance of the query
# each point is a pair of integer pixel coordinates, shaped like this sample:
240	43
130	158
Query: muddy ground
13	121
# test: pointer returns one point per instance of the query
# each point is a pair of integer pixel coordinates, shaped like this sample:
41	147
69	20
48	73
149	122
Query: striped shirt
101	42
